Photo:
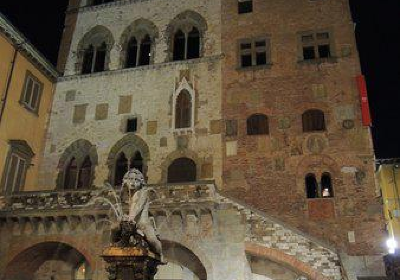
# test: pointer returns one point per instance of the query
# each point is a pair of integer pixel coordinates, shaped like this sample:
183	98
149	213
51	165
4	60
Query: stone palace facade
245	117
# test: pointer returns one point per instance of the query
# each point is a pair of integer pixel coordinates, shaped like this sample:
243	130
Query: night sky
377	31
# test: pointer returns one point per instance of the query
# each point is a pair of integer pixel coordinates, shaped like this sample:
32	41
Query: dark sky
378	32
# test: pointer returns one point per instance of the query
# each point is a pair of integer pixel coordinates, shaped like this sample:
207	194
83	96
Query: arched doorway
182	170
49	260
183	264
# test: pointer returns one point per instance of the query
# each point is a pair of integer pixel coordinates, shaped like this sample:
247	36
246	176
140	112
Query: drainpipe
8	83
396	192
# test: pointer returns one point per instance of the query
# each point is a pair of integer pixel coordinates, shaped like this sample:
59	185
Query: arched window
193	44
71	175
186	32
313	120
326	185
145	51
131	53
94	49
311	186
121	167
183	110
85	174
138	54
257	124
137	162
179	45
182	170
94	59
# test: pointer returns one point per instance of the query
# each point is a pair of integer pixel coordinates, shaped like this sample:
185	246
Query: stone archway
278	257
183	264
55	260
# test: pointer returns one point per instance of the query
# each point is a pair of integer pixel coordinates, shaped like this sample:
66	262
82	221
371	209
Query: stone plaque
125	104
79	113
316	144
284	123
215	127
231	127
101	111
348	124
231	148
70	96
151	127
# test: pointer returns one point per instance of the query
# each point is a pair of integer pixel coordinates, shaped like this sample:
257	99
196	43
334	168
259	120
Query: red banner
362	88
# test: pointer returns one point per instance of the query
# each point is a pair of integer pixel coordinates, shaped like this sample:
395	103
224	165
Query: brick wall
268	171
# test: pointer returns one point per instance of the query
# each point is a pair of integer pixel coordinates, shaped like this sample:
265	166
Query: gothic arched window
186	32
326	185
313	120
182	170
311	186
131	53
121	167
193	44
71	175
94	50
94	59
85	174
183	110
179	45
145	51
257	124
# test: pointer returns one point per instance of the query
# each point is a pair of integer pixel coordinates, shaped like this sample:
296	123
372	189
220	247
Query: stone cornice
143	68
108	5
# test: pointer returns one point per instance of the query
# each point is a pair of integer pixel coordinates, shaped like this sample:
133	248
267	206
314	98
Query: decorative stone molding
138	29
129	145
185	22
96	36
79	150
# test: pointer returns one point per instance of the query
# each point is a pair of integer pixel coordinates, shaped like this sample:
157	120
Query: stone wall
268	171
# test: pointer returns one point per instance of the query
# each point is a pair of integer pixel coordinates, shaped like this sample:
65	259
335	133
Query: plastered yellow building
27	82
388	176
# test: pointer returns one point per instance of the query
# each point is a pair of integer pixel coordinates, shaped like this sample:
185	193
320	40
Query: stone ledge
143	68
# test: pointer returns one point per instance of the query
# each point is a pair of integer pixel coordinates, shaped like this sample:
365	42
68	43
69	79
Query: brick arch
79	150
195	249
280	257
317	164
129	144
185	153
25	261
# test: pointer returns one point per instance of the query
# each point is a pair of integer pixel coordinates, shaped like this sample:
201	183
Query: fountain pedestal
130	257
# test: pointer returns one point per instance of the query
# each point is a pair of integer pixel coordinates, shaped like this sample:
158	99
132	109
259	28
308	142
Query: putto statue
135	251
138	215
